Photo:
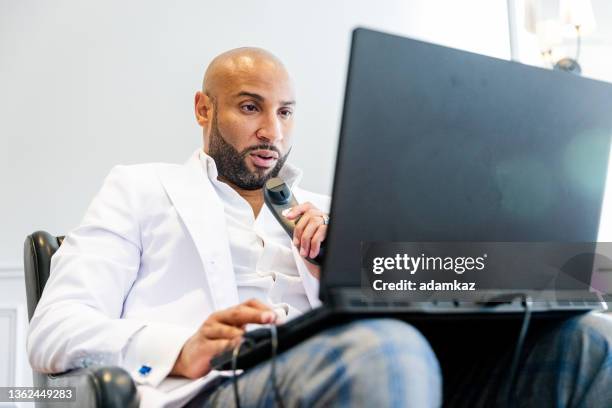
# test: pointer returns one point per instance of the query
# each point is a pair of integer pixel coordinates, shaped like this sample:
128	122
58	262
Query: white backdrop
85	85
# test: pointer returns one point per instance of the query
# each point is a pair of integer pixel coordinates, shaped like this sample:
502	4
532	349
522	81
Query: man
172	262
162	272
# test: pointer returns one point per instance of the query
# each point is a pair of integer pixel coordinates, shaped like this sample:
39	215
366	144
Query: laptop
445	153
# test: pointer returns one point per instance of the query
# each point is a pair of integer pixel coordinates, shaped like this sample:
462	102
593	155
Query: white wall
86	85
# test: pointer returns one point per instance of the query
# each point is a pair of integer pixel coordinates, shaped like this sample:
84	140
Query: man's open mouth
264	158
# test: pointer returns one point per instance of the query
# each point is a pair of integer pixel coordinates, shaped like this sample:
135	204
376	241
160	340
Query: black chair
95	386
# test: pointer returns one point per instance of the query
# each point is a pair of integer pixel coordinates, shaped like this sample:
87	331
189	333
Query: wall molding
11	312
11	271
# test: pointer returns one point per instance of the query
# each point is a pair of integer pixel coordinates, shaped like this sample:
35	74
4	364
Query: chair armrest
99	386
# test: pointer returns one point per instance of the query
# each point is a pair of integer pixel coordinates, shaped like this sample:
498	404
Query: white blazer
148	264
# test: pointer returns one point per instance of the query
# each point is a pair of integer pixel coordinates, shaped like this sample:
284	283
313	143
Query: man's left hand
310	230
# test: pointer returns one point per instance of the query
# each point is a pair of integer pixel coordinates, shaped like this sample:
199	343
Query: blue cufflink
144	370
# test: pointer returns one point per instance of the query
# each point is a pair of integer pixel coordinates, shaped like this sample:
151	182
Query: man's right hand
222	330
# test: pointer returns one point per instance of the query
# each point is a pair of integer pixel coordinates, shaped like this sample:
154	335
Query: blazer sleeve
77	322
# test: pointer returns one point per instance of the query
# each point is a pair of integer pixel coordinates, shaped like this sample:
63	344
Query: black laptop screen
439	144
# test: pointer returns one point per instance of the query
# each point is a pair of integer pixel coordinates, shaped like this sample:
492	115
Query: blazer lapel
202	212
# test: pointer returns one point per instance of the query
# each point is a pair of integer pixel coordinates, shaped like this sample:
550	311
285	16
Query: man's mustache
250	149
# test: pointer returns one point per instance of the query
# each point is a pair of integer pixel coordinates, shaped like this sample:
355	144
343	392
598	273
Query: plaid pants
386	362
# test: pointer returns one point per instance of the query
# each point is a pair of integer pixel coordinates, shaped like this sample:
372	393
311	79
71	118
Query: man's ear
203	108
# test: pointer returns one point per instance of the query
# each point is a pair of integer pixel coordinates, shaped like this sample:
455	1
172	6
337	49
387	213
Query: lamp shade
570	13
549	34
539	10
578	13
531	16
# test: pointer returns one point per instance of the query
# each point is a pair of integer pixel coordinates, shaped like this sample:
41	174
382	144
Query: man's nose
270	129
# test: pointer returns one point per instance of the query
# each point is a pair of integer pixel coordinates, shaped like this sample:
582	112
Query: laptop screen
442	145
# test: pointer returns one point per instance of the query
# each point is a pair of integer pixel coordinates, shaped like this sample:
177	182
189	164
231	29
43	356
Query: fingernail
286	212
268	317
303	252
295	241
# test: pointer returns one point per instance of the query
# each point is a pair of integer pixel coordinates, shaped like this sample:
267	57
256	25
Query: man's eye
249	108
286	113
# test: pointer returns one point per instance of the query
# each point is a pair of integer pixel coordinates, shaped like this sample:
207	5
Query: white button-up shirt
261	249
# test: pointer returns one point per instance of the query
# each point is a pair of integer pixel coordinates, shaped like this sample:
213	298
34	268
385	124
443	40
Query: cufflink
144	370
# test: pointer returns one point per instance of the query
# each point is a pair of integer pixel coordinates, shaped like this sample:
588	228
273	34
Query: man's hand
222	330
310	231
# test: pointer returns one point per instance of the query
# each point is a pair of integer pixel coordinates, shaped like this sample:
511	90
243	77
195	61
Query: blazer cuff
153	350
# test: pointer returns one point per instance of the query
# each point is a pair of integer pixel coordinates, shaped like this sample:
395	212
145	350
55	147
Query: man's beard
231	164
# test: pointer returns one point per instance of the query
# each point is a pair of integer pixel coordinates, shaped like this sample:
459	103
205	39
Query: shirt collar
289	173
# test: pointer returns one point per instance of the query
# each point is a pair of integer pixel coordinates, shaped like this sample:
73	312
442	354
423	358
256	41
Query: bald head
246	109
235	64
